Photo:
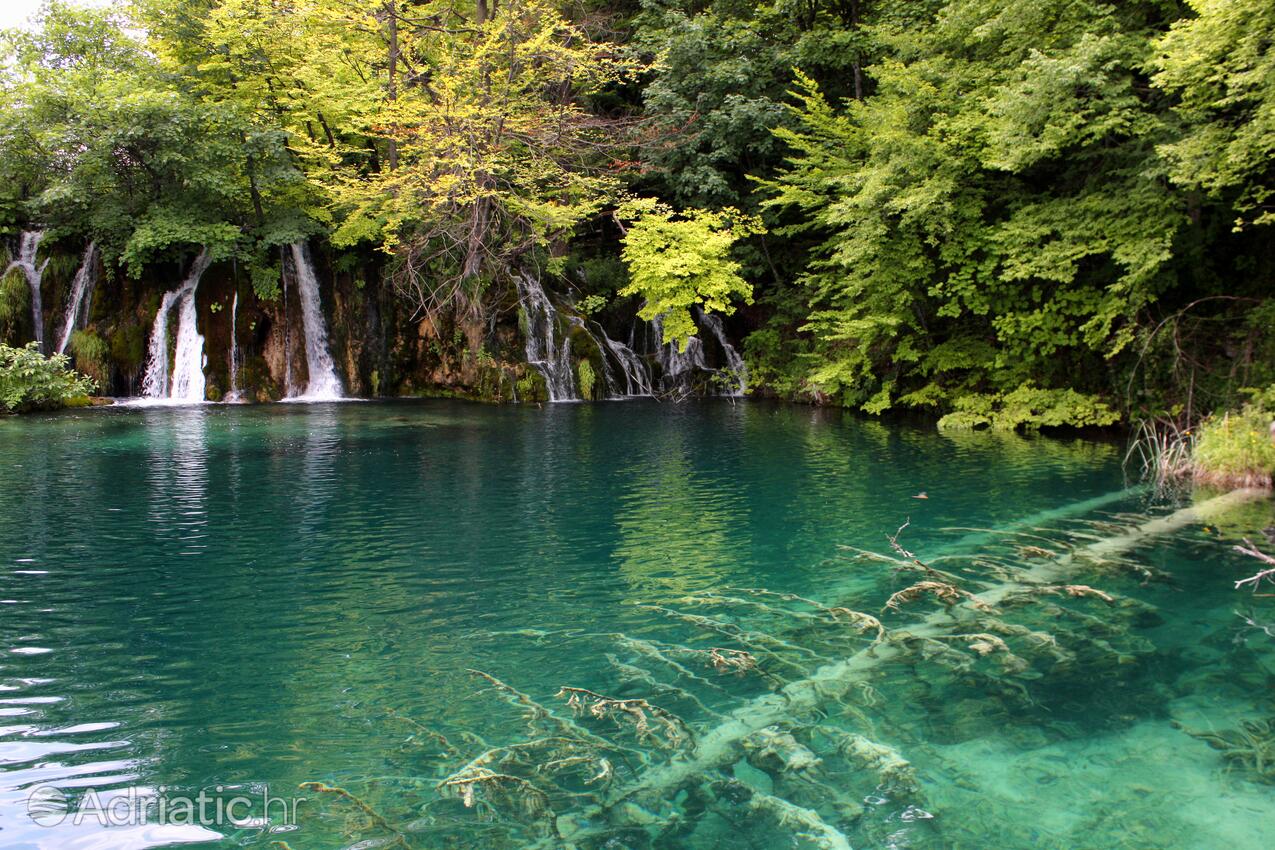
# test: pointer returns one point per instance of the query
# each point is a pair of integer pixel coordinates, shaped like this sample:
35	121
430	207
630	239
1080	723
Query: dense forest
994	212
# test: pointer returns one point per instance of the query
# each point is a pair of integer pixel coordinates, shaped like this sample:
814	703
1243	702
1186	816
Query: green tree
499	157
1221	67
992	218
104	143
679	260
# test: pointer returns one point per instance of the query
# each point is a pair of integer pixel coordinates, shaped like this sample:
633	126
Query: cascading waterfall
677	367
637	374
543	351
187	380
734	363
322	383
608	377
289	386
28	246
77	307
234	394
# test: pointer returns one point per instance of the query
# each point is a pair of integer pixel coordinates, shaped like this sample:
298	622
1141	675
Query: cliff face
379	348
531	346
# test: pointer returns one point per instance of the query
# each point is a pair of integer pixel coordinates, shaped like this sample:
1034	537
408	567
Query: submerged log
722	744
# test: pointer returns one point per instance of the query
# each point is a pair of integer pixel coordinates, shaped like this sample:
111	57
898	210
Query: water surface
242	598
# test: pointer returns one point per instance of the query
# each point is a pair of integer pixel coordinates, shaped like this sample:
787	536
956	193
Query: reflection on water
253	597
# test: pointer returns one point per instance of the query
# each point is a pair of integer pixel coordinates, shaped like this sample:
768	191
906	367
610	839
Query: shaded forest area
999	213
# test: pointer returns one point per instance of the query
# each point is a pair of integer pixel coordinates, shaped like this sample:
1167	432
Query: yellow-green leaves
679	260
1221	66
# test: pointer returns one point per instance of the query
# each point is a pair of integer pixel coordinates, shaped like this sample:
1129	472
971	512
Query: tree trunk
392	90
858	59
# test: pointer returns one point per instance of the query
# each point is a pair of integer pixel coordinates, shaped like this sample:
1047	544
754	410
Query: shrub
31	381
1238	449
1028	408
587	379
91	355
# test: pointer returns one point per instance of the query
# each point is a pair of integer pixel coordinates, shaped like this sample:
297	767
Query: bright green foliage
1028	408
1238	448
679	260
1221	65
590	304
587	378
31	381
499	158
949	268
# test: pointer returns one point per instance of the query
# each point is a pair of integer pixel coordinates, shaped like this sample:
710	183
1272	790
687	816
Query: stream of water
239	599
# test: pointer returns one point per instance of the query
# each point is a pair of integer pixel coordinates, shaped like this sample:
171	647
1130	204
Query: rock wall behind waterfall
378	346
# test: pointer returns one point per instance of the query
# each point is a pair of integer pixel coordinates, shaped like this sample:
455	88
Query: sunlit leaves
1221	66
680	260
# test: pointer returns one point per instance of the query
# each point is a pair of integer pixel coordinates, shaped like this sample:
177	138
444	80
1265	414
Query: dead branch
639	712
1077	591
1256	580
946	593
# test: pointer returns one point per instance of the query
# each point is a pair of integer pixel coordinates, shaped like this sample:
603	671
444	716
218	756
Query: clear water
247	597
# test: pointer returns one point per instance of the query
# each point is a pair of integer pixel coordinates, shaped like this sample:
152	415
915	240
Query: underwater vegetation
1250	747
768	714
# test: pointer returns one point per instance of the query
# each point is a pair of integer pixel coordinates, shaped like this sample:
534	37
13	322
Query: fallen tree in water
798	760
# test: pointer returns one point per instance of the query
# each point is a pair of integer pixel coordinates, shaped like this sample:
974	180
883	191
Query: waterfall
28	245
543	351
187	382
677	368
77	306
322	381
735	363
289	385
637	375
234	394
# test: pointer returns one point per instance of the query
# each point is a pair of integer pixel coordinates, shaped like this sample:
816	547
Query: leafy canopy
680	260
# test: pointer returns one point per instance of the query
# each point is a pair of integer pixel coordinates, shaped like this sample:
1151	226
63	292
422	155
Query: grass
1237	449
1162	449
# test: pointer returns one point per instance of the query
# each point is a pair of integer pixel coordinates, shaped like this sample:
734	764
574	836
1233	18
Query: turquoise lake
242	599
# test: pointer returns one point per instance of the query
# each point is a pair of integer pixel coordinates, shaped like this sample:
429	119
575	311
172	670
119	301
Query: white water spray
322	382
28	246
677	367
543	351
636	372
77	305
734	363
187	382
234	394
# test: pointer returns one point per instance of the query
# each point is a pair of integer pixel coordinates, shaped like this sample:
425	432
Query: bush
1028	408
587	379
1238	449
91	355
30	381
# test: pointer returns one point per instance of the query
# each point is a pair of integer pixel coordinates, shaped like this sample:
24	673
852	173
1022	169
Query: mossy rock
255	380
128	346
589	365
494	384
531	386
